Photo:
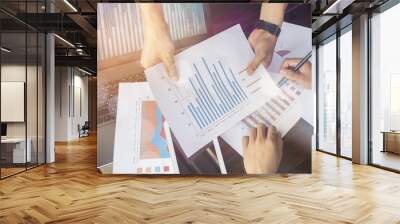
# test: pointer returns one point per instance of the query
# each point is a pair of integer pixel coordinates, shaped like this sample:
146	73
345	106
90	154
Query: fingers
302	77
291	75
279	139
255	63
260	132
287	69
253	134
169	63
272	134
306	68
245	143
290	63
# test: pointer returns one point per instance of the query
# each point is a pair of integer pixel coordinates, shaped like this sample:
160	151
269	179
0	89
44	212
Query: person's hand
263	44
158	46
302	77
262	153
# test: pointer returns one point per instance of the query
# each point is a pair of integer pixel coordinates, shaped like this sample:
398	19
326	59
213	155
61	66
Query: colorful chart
153	144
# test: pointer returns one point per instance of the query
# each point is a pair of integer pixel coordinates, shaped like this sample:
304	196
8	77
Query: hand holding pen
298	71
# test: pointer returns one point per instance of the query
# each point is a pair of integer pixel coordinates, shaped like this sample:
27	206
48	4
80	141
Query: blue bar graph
201	102
223	94
215	94
224	89
195	115
218	87
222	104
203	112
236	95
236	83
205	89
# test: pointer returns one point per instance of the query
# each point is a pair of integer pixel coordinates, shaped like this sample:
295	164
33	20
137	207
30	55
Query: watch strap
269	27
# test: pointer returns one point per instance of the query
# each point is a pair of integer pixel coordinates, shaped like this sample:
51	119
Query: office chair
84	130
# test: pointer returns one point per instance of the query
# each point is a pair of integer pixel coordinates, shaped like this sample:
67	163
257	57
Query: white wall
70	83
62	81
34	125
16	73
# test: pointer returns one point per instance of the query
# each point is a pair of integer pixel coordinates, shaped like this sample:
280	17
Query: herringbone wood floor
70	191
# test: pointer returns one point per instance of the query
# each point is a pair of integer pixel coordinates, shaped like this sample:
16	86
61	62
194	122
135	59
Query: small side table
391	141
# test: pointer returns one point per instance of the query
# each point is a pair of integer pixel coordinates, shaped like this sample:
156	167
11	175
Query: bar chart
276	107
281	110
213	92
213	101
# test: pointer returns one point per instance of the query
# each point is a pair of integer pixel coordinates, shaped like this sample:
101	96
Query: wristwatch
269	27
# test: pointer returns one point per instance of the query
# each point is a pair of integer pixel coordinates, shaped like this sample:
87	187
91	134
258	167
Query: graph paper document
282	111
141	139
292	103
214	92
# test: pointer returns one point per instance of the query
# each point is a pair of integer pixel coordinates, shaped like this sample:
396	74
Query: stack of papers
213	97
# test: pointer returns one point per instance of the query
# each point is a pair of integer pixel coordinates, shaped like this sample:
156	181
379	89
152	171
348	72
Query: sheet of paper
281	111
292	38
292	43
141	144
214	92
295	38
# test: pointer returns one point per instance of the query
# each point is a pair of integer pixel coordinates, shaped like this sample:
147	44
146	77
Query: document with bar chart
214	91
141	142
282	111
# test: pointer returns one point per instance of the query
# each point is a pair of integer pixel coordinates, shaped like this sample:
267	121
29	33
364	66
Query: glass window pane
41	98
31	97
13	87
346	94
385	115
327	97
31	88
314	74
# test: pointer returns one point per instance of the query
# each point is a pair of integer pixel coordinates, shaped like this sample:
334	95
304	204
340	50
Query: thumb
254	64
169	63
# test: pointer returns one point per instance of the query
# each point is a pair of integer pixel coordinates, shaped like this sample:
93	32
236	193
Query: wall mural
204	88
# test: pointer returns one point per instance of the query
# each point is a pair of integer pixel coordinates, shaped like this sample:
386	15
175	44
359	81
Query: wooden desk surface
13	140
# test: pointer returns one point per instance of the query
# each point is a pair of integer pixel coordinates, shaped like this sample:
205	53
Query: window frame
334	37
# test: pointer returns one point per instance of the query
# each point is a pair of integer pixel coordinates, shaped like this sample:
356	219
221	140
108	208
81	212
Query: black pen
302	62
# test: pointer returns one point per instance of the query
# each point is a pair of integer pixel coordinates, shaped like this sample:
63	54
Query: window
385	89
22	75
327	96
394	102
346	93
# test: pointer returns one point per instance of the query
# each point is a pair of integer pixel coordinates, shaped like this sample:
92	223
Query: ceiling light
84	71
65	41
5	50
70	5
